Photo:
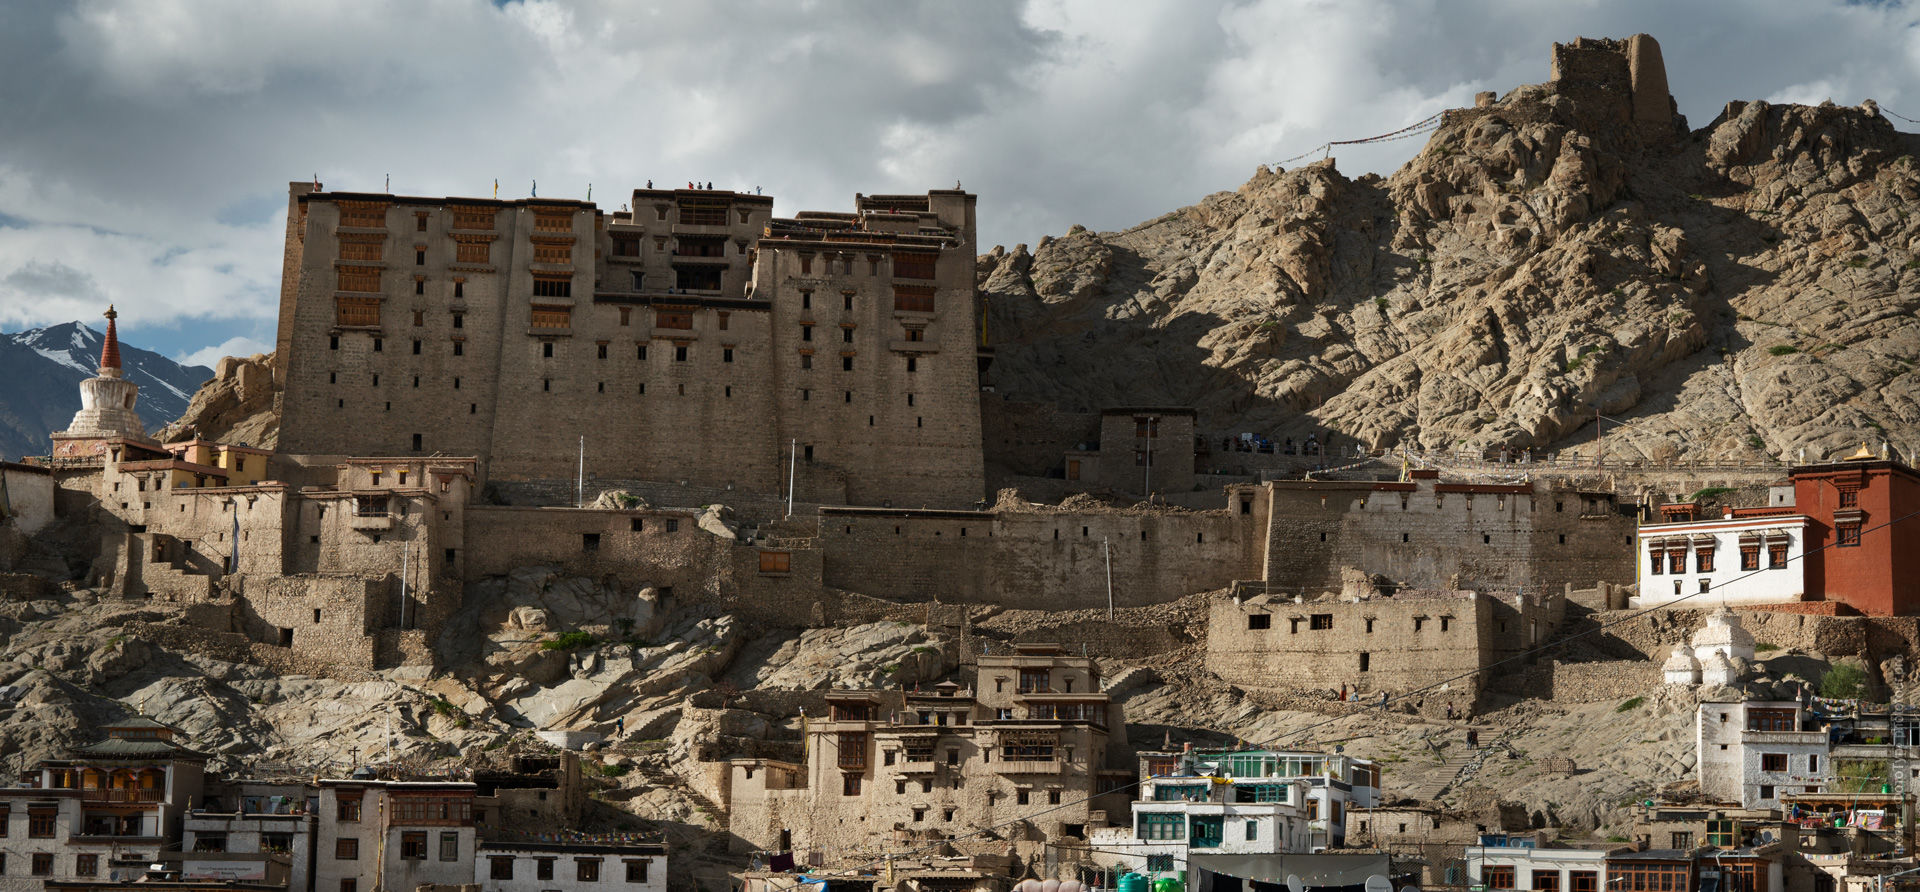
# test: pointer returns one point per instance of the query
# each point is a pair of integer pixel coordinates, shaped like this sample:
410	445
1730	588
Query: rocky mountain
1742	290
40	373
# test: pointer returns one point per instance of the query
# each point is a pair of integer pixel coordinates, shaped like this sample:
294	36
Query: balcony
374	523
123	795
1024	767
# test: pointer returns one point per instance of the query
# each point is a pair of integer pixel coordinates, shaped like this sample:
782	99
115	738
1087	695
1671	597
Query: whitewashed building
1746	556
1753	752
570	867
1253	802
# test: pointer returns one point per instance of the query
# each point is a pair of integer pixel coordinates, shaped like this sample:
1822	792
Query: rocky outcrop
240	405
1744	290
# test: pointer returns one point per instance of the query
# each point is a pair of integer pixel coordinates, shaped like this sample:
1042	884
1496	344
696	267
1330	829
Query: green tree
1844	681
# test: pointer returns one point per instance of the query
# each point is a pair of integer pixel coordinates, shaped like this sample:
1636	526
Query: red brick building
1861	507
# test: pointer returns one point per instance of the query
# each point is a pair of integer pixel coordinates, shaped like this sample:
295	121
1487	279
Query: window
1813	763
1847	535
1658	563
672	319
1703	560
544	286
543	869
726	354
914	266
500	867
586	870
86	865
419	257
1720	833
1497	876
637	870
42	864
348	809
1749	557
346	848
846	365
468	249
849	784
413	845
589	541
1766	791
363	312
349	884
1849	498
40	823
1682	840
1546	881
1154	825
358	278
1777	556
1320	622
846	335
913	299
1053	797
1259	621
1585	880
550	252
549	317
776	561
1160	864
1676	562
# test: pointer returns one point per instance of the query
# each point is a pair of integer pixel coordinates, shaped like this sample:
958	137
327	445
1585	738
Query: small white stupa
1723	635
1681	668
1716	669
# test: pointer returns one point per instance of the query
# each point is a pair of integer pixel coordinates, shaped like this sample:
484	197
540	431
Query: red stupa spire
110	348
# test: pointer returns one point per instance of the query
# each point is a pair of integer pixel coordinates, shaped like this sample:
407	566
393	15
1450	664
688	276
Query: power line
1282	742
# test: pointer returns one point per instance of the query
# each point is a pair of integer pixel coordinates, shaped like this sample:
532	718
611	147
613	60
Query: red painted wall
1881	575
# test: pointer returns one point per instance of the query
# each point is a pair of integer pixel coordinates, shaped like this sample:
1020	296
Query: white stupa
1716	669
1681	667
1723	635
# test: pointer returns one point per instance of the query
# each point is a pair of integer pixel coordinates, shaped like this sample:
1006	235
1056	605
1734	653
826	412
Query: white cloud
149	142
207	356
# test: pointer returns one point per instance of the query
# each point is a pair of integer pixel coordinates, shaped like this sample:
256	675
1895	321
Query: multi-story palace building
694	339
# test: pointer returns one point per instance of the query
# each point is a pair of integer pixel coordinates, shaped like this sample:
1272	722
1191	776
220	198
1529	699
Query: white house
376	834
1502	862
1747	556
1752	752
1254	802
570	867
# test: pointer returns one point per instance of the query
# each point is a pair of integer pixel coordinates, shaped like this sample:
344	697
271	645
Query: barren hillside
1745	288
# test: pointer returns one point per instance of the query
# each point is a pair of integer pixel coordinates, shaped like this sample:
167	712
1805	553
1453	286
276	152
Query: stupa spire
110	348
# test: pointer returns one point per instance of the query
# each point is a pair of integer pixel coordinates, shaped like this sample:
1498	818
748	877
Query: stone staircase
710	843
1459	765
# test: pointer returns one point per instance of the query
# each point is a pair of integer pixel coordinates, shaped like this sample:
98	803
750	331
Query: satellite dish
1765	836
1378	883
1293	882
1409	889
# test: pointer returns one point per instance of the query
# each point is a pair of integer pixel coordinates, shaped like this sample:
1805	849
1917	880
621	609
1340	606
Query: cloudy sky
145	145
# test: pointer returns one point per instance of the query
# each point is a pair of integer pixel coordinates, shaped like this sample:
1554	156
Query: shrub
614	769
1755	441
1710	492
1783	349
574	640
1765	647
1380	302
1630	705
1844	681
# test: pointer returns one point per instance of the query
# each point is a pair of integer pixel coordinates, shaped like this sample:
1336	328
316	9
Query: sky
146	145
